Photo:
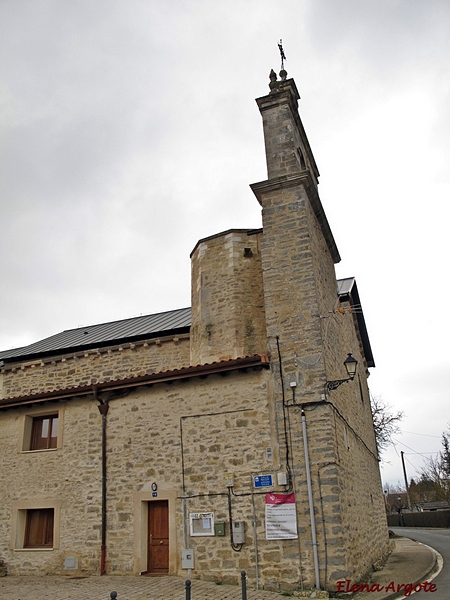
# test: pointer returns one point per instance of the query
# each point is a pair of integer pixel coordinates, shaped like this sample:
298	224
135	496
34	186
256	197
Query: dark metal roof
105	334
152	326
6	353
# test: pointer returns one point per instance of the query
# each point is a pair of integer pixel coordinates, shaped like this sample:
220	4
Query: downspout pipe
103	408
310	501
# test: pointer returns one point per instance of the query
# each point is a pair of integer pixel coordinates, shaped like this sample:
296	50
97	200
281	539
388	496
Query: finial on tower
273	80
283	73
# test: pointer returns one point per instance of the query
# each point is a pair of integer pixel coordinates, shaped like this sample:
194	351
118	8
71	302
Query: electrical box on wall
219	529
238	532
187	558
229	479
282	478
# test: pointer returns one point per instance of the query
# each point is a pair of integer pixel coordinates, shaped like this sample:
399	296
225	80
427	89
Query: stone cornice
305	180
220	234
280	96
237	364
89	352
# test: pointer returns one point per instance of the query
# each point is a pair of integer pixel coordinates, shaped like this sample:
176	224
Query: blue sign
260	481
155	494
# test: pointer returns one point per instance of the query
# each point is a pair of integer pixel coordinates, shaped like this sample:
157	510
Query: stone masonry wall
363	512
361	504
228	318
287	148
290	288
94	366
313	337
227	427
67	479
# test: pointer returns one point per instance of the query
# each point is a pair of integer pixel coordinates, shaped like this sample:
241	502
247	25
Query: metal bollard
188	584
113	595
244	585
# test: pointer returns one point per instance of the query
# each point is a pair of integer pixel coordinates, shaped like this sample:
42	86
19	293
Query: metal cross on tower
282	54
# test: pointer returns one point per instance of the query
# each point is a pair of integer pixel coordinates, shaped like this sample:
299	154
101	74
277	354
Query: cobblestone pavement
127	588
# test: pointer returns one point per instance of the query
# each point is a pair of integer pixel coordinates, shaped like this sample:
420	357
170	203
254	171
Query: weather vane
282	54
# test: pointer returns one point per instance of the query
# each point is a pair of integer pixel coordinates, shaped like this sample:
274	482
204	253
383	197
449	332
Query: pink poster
281	522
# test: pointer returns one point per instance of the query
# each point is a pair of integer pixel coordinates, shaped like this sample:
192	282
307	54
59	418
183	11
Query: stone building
209	439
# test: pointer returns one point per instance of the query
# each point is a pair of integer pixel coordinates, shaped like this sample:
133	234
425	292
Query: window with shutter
44	432
39	528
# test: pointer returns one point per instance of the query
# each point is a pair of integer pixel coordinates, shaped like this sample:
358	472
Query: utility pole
406	480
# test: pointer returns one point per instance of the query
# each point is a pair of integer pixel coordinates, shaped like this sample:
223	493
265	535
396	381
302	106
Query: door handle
161	542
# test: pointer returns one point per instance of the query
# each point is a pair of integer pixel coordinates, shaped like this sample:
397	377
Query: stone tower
297	248
311	328
227	302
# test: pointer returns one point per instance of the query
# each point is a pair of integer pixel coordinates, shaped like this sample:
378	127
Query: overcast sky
129	131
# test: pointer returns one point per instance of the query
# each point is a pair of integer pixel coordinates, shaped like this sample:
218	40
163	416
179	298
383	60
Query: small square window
44	432
36	524
41	429
39	528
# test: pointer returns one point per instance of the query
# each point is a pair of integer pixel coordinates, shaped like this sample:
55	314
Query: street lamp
350	364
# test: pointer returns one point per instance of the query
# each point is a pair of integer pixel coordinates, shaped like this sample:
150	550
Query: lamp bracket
333	385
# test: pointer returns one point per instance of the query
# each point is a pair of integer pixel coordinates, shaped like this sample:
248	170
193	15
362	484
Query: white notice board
281	522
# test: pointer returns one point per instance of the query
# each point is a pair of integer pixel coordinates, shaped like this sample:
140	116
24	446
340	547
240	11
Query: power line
414	451
413	466
421	453
424	434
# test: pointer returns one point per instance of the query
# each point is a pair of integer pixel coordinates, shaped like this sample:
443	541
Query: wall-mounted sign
201	523
281	522
154	486
260	481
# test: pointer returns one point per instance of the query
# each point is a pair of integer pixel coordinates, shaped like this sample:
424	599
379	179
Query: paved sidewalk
409	563
127	588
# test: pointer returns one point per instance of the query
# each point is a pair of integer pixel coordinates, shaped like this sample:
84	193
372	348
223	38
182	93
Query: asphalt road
439	539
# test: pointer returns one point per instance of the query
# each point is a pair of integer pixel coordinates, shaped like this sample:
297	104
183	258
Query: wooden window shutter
39	528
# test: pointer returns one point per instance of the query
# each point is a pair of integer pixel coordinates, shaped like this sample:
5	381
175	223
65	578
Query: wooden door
158	537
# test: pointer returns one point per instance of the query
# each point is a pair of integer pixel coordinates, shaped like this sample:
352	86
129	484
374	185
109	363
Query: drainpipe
255	539
103	407
310	500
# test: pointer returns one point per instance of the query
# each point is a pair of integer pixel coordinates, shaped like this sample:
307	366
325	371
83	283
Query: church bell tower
298	251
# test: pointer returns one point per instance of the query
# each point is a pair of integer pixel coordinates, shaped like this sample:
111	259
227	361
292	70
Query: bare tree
437	469
385	422
394	488
445	454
